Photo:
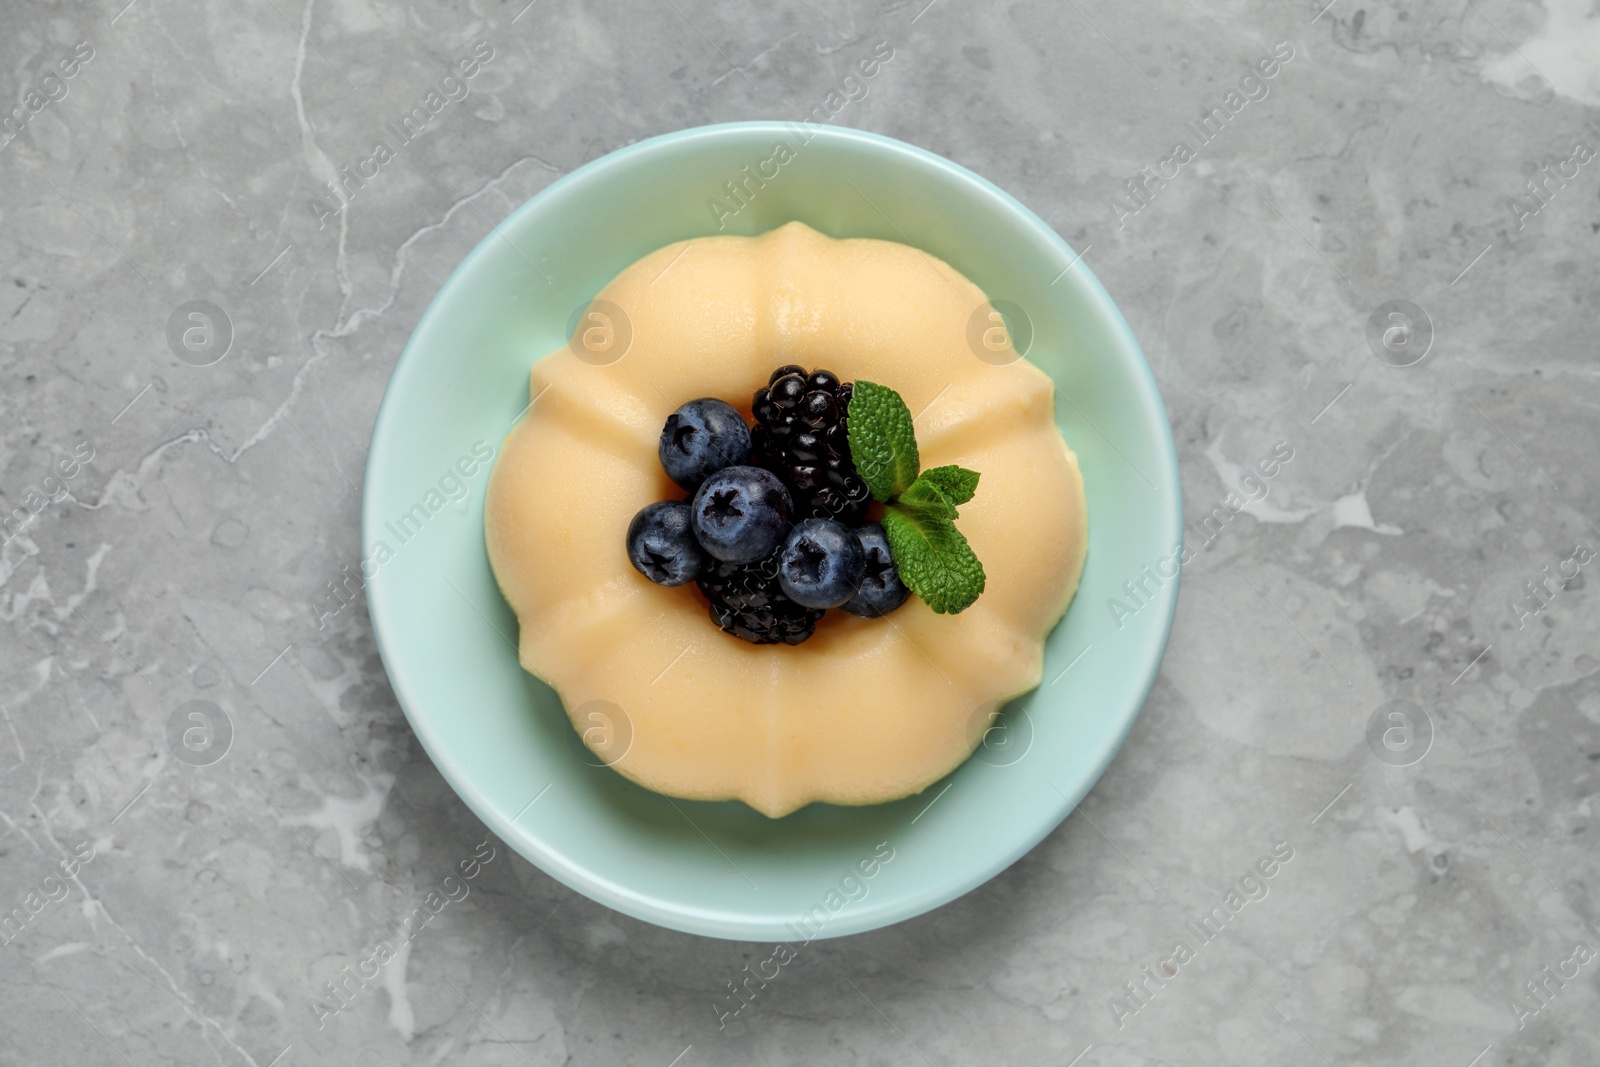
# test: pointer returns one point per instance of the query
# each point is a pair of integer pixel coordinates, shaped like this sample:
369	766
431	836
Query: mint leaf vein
925	500
934	560
883	444
956	483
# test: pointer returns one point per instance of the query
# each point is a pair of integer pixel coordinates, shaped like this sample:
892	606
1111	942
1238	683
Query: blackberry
802	435
747	602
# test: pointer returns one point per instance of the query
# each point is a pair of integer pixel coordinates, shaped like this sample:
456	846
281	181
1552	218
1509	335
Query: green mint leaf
934	559
925	500
957	483
883	445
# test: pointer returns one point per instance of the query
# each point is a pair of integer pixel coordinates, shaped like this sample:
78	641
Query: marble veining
1356	821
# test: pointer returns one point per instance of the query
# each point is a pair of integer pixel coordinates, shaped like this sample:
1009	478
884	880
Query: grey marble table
1379	259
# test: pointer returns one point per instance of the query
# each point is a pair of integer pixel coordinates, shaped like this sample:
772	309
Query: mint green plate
500	737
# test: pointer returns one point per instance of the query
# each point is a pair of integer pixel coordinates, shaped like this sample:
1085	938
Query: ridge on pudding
863	711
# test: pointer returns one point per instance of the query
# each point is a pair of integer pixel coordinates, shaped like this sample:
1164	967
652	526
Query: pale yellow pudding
867	710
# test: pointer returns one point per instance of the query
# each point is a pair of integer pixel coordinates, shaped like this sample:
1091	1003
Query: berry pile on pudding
775	532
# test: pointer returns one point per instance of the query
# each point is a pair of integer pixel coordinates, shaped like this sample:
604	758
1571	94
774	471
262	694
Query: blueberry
881	588
741	514
821	565
661	544
701	438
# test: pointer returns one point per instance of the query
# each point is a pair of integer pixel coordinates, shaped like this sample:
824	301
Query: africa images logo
743	188
451	488
339	992
451	89
1252	488
52	89
852	886
1141	189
